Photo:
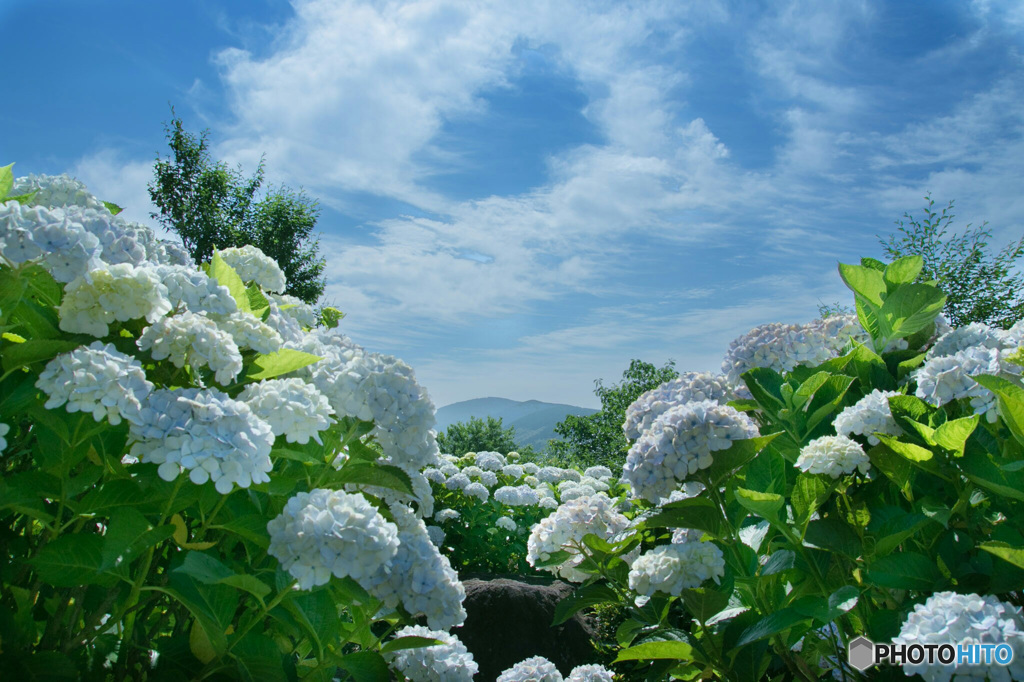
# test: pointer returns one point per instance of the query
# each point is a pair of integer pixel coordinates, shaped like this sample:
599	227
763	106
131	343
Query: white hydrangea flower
595	483
950	618
195	290
686	388
869	415
679	443
833	455
576	491
449	661
381	389
600	472
252	265
681	536
567	526
590	673
533	669
4	430
531	468
98	379
56	190
489	478
436	534
287	327
419	577
513	470
435	475
506	523
448	469
516	496
119	292
974	335
121	242
205	432
672	568
476	490
249	332
491	461
62	246
443	515
457	482
296	309
946	378
293	408
473	471
194	339
331	532
566	485
551	474
531	481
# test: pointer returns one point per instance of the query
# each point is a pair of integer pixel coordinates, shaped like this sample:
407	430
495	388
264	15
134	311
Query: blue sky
520	197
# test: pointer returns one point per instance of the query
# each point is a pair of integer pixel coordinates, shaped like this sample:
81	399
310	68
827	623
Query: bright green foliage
597	439
210	206
478	435
980	286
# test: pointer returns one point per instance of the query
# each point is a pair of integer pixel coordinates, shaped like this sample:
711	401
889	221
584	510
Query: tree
210	206
478	435
598	438
978	284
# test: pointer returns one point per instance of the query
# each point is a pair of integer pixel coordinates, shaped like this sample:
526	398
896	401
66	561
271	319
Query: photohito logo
862	653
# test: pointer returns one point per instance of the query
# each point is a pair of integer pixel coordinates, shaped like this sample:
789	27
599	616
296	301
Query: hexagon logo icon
860	652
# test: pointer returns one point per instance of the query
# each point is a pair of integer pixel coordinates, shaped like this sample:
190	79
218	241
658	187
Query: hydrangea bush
858	475
201	479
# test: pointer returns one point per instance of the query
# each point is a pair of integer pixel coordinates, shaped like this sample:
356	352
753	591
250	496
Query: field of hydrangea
204	479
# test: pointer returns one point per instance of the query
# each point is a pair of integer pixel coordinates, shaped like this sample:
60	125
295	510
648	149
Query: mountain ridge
533	420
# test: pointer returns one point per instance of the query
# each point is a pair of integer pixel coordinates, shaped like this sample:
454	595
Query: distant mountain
533	420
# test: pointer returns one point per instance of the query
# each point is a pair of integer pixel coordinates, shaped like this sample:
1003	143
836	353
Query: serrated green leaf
258	303
588	595
864	281
35	350
381	475
910	308
651	651
765	505
1011	402
905	571
809	493
779	560
902	271
913	453
70	560
365	666
6	180
330	317
227	277
112	207
772	624
1006	552
282	362
726	462
408	642
873	263
554	559
697	512
953	434
259	659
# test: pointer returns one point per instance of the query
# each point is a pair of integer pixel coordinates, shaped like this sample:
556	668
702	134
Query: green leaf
767	472
896	468
1006	552
1011	402
766	387
910	308
70	560
128	534
827	399
6	180
895	530
365	666
112	207
773	624
911	452
589	595
765	505
35	350
113	494
809	388
780	560
905	571
251	527
902	271
839	602
978	466
330	316
697	512
650	651
259	659
704	602
204	568
873	263
23	199
833	535
867	315
365	473
953	435
864	281
211	605
809	493
409	642
258	303
554	559
227	277
726	462
275	364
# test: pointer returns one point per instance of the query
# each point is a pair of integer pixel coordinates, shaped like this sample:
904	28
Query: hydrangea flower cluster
945	378
205	433
567	526
782	347
974	335
119	292
491	461
293	408
295	308
686	388
249	332
195	290
56	190
98	379
330	532
679	443
516	496
419	577
506	523
63	247
195	339
253	266
950	618
672	568
533	669
590	673
477	490
868	416
833	456
449	661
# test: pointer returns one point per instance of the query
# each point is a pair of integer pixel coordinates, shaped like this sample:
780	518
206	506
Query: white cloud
111	177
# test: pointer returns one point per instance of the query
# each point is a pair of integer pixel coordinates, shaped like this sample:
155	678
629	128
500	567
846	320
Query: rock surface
508	620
